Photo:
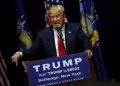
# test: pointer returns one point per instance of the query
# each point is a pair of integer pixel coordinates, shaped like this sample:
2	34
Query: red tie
61	48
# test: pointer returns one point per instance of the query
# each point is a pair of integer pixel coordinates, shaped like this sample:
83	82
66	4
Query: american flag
48	3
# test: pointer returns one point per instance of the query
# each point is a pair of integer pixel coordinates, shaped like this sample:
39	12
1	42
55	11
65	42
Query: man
47	42
74	39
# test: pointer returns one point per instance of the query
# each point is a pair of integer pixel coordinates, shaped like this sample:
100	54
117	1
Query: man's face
57	19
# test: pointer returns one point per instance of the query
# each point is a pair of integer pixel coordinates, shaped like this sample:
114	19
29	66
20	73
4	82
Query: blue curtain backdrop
109	30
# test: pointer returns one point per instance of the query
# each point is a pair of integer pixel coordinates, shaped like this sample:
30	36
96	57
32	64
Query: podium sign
56	70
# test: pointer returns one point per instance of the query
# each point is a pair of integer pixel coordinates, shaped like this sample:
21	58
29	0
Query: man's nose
54	18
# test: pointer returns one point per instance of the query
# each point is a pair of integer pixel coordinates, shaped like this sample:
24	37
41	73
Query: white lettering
46	66
36	68
64	76
77	60
54	66
58	64
69	63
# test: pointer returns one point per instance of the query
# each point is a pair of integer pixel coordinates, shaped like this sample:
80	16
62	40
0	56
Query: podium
57	70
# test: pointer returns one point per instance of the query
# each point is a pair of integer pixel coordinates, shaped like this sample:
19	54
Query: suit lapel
52	42
68	35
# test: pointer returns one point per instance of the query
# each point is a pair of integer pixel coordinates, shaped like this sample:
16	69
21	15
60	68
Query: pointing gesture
16	57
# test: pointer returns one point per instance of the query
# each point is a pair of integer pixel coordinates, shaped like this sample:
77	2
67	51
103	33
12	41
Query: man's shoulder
44	31
74	25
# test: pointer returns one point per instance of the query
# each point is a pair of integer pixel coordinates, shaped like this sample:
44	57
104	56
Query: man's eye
57	15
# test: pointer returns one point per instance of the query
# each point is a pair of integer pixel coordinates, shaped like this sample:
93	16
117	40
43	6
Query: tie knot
59	33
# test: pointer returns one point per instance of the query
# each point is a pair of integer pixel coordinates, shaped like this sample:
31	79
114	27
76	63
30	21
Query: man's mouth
56	23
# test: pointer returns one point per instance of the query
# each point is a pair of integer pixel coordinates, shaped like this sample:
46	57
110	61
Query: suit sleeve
36	51
83	39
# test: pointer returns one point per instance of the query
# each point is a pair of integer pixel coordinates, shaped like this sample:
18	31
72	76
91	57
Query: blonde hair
54	8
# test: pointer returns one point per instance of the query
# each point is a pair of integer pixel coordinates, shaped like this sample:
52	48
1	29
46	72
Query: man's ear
65	18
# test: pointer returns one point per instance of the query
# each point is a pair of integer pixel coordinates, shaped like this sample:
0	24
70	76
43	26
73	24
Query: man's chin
57	26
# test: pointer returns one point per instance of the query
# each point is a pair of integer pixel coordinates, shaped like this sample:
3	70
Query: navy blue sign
58	70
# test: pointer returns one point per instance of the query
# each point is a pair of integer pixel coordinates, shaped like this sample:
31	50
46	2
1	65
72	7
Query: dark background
109	31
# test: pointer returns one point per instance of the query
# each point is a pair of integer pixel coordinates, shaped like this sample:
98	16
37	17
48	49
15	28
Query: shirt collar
62	29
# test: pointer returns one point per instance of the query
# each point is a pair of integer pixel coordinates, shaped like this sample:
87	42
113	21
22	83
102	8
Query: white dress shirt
55	37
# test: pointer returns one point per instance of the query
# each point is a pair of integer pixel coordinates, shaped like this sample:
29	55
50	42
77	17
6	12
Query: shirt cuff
21	54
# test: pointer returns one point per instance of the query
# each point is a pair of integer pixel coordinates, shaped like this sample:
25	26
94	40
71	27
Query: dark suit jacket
44	46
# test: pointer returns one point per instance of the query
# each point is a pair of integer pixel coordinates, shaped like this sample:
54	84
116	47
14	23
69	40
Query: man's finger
16	62
12	59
